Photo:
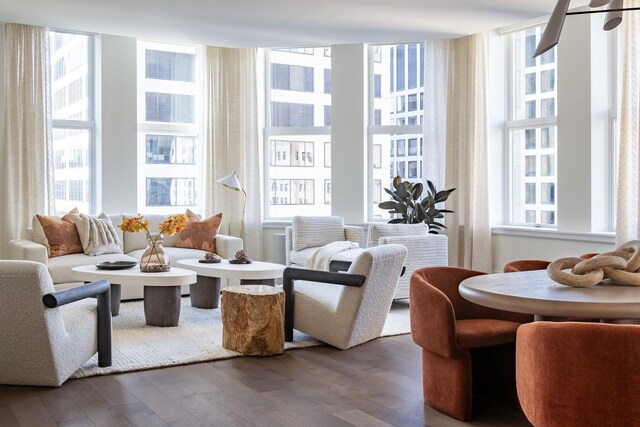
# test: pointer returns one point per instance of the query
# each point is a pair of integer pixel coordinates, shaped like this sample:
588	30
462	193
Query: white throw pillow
97	235
316	231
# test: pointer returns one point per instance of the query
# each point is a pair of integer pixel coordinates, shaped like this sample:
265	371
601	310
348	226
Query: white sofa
134	245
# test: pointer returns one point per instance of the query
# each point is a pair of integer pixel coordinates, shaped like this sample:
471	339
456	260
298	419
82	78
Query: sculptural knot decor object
622	266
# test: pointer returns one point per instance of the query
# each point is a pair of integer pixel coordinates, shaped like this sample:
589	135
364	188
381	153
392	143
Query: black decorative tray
210	261
239	261
116	265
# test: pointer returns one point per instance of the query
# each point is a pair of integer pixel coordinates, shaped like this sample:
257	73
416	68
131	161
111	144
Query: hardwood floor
375	384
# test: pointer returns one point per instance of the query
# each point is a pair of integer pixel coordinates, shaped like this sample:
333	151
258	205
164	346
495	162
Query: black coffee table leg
162	305
116	291
205	293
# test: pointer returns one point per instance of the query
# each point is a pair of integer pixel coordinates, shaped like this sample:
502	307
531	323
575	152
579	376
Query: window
327	191
170	149
73	125
292	192
396	104
298	131
291	153
170	191
531	131
169	144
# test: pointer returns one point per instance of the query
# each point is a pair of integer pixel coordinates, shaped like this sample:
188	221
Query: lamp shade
613	18
231	181
552	32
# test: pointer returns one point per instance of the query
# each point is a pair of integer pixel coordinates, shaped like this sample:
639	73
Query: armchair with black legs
46	336
344	309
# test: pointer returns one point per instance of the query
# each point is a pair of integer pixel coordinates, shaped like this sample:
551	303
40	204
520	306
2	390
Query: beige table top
533	292
133	276
257	270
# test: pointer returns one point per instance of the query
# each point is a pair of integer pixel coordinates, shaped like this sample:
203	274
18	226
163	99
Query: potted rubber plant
408	202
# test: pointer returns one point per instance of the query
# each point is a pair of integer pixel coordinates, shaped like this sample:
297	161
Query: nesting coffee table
161	290
206	293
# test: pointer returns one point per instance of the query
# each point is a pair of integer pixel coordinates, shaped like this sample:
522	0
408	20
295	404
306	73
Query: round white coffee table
161	290
206	293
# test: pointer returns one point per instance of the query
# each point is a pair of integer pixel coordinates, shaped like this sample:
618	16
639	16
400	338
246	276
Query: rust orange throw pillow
61	234
200	234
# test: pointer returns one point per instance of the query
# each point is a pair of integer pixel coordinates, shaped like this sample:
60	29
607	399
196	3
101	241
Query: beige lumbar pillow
98	236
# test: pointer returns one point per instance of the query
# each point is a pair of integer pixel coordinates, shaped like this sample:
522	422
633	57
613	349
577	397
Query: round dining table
533	292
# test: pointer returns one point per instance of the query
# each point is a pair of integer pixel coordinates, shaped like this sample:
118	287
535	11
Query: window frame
290	133
88	125
512	124
391	129
145	128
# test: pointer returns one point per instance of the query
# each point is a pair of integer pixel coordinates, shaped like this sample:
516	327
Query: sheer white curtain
27	159
627	217
456	131
232	141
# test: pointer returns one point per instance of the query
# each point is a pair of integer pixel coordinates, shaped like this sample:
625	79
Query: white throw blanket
319	260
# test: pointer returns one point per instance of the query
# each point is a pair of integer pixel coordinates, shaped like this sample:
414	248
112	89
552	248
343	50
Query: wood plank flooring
375	384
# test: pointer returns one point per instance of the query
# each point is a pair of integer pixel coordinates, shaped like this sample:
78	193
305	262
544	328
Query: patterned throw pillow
200	234
61	234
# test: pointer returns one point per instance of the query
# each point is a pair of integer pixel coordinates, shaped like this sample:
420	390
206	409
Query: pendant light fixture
552	32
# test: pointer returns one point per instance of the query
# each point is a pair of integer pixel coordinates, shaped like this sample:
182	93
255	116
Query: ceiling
276	23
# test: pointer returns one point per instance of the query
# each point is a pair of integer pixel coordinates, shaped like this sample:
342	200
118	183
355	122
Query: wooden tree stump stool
253	319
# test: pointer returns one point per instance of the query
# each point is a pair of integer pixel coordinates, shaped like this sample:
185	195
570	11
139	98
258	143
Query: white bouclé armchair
45	336
344	309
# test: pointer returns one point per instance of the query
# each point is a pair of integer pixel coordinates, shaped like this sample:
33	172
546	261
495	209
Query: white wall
349	101
119	124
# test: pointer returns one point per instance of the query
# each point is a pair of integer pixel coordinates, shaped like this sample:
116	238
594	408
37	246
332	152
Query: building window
170	149
170	191
531	131
327	154
299	121
291	153
396	102
327	191
76	190
73	125
169	143
291	192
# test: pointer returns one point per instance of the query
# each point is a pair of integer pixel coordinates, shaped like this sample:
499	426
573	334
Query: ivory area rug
198	338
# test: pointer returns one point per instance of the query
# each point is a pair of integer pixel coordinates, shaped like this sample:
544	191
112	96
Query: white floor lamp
232	182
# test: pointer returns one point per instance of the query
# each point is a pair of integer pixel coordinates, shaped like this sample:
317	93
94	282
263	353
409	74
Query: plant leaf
417	191
432	187
397	181
389	204
397	221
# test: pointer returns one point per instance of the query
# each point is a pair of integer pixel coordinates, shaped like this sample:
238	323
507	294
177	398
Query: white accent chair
309	233
344	309
44	346
424	249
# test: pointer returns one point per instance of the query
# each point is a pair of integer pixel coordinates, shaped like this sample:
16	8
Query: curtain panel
232	141
457	134
627	215
27	158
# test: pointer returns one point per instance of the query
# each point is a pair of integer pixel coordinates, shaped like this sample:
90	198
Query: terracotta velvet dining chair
579	374
525	265
467	349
